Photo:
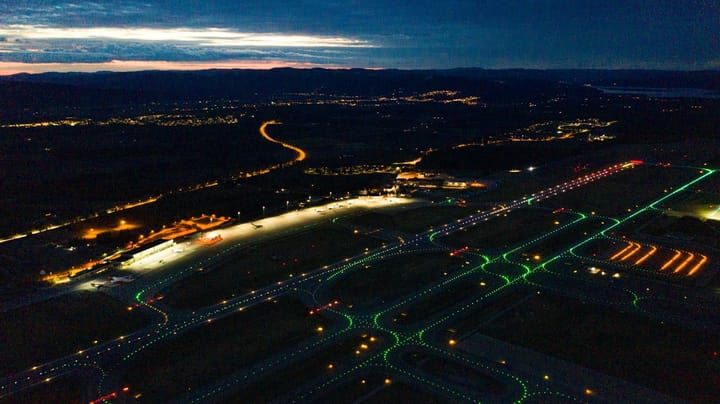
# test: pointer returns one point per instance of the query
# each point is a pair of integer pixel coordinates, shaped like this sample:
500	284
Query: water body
657	92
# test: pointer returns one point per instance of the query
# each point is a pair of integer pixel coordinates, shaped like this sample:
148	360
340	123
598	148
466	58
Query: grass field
500	233
328	361
409	393
664	357
426	307
60	390
412	220
629	189
41	332
468	322
221	348
354	389
700	231
558	242
455	373
399	276
267	263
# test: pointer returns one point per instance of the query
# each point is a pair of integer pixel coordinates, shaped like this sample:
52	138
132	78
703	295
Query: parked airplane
112	281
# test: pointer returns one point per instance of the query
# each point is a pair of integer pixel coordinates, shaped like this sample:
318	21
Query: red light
125	389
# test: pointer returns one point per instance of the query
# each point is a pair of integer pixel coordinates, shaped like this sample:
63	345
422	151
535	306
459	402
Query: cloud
414	34
201	37
42	44
51	12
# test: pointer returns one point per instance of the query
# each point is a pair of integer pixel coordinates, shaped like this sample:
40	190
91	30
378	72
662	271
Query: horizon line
128	66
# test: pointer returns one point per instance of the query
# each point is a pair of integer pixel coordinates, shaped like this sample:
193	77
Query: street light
263	210
287	206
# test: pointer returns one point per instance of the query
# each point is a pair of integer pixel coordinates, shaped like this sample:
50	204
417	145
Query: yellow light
452	342
388	381
372	339
363	346
319	329
330	366
546	377
588	392
536	257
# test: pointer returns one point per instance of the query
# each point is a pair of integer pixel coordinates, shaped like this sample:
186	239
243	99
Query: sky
122	35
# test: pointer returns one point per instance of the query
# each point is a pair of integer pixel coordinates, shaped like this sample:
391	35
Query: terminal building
438	180
145	251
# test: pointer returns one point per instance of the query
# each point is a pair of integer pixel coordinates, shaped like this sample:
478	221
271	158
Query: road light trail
301	155
300	152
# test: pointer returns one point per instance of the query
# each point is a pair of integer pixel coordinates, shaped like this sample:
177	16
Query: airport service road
111	353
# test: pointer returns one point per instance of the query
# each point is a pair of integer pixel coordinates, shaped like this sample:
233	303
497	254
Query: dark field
456	373
328	361
623	192
426	307
411	221
267	263
399	276
61	326
60	390
505	231
229	344
664	357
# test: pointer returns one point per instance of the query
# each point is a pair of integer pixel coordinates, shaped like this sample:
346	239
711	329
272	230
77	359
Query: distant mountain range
64	92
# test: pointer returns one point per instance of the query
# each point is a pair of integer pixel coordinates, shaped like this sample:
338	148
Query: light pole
287	206
238	215
263	211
